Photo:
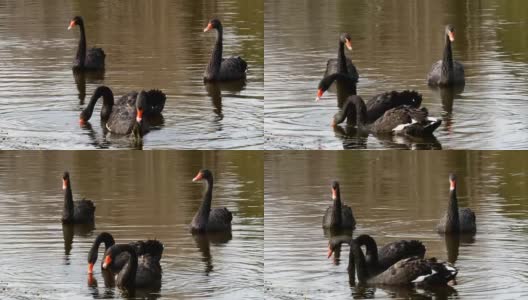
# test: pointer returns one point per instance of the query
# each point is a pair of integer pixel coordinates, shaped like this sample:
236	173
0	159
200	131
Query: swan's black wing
154	248
332	67
381	103
396	251
148	274
467	220
433	78
122	119
83	211
233	68
155	102
219	219
347	217
416	271
95	59
128	99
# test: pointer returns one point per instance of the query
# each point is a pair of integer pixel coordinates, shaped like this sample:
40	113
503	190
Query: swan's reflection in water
403	292
81	77
351	137
215	89
203	243
70	230
453	242
338	237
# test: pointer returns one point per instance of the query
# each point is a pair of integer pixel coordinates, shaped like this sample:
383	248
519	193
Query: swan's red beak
320	93
64	183
330	252
451	36
90	268
209	27
452	184
139	115
348	44
107	261
333	194
198	177
72	24
82	122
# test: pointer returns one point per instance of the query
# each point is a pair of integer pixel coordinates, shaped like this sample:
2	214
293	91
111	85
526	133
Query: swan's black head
335	190
65	180
77	20
347	40
452	181
450	32
203	174
213	24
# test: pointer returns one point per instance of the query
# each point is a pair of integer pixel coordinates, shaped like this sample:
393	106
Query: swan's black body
338	215
151	247
408	271
403	120
456	220
207	219
219	68
90	60
142	272
78	212
121	117
447	72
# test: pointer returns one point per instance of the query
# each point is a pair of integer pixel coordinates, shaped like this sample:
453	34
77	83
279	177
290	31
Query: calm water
138	196
149	44
395	43
396	195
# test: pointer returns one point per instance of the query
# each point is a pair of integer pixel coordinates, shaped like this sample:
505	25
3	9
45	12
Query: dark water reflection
149	44
395	43
138	195
396	195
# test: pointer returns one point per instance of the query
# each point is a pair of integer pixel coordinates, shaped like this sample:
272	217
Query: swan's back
219	219
95	59
467	220
83	211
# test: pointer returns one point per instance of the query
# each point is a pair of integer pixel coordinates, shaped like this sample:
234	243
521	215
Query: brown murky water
396	195
138	195
149	44
395	43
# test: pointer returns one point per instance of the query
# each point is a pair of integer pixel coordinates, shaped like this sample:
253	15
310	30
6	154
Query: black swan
78	212
342	64
152	247
456	220
219	68
145	273
380	260
121	117
377	105
403	120
92	59
447	72
207	219
408	271
338	215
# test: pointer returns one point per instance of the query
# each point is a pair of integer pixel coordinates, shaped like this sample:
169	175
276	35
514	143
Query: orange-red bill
107	261
90	268
333	194
330	252
72	24
348	44
209	27
320	93
452	184
64	183
198	177
139	115
82	122
451	36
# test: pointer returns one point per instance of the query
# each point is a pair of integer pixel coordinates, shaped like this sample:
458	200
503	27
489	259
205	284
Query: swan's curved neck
81	50
341	59
357	259
447	61
216	57
336	210
361	111
127	276
108	103
205	207
452	219
68	202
